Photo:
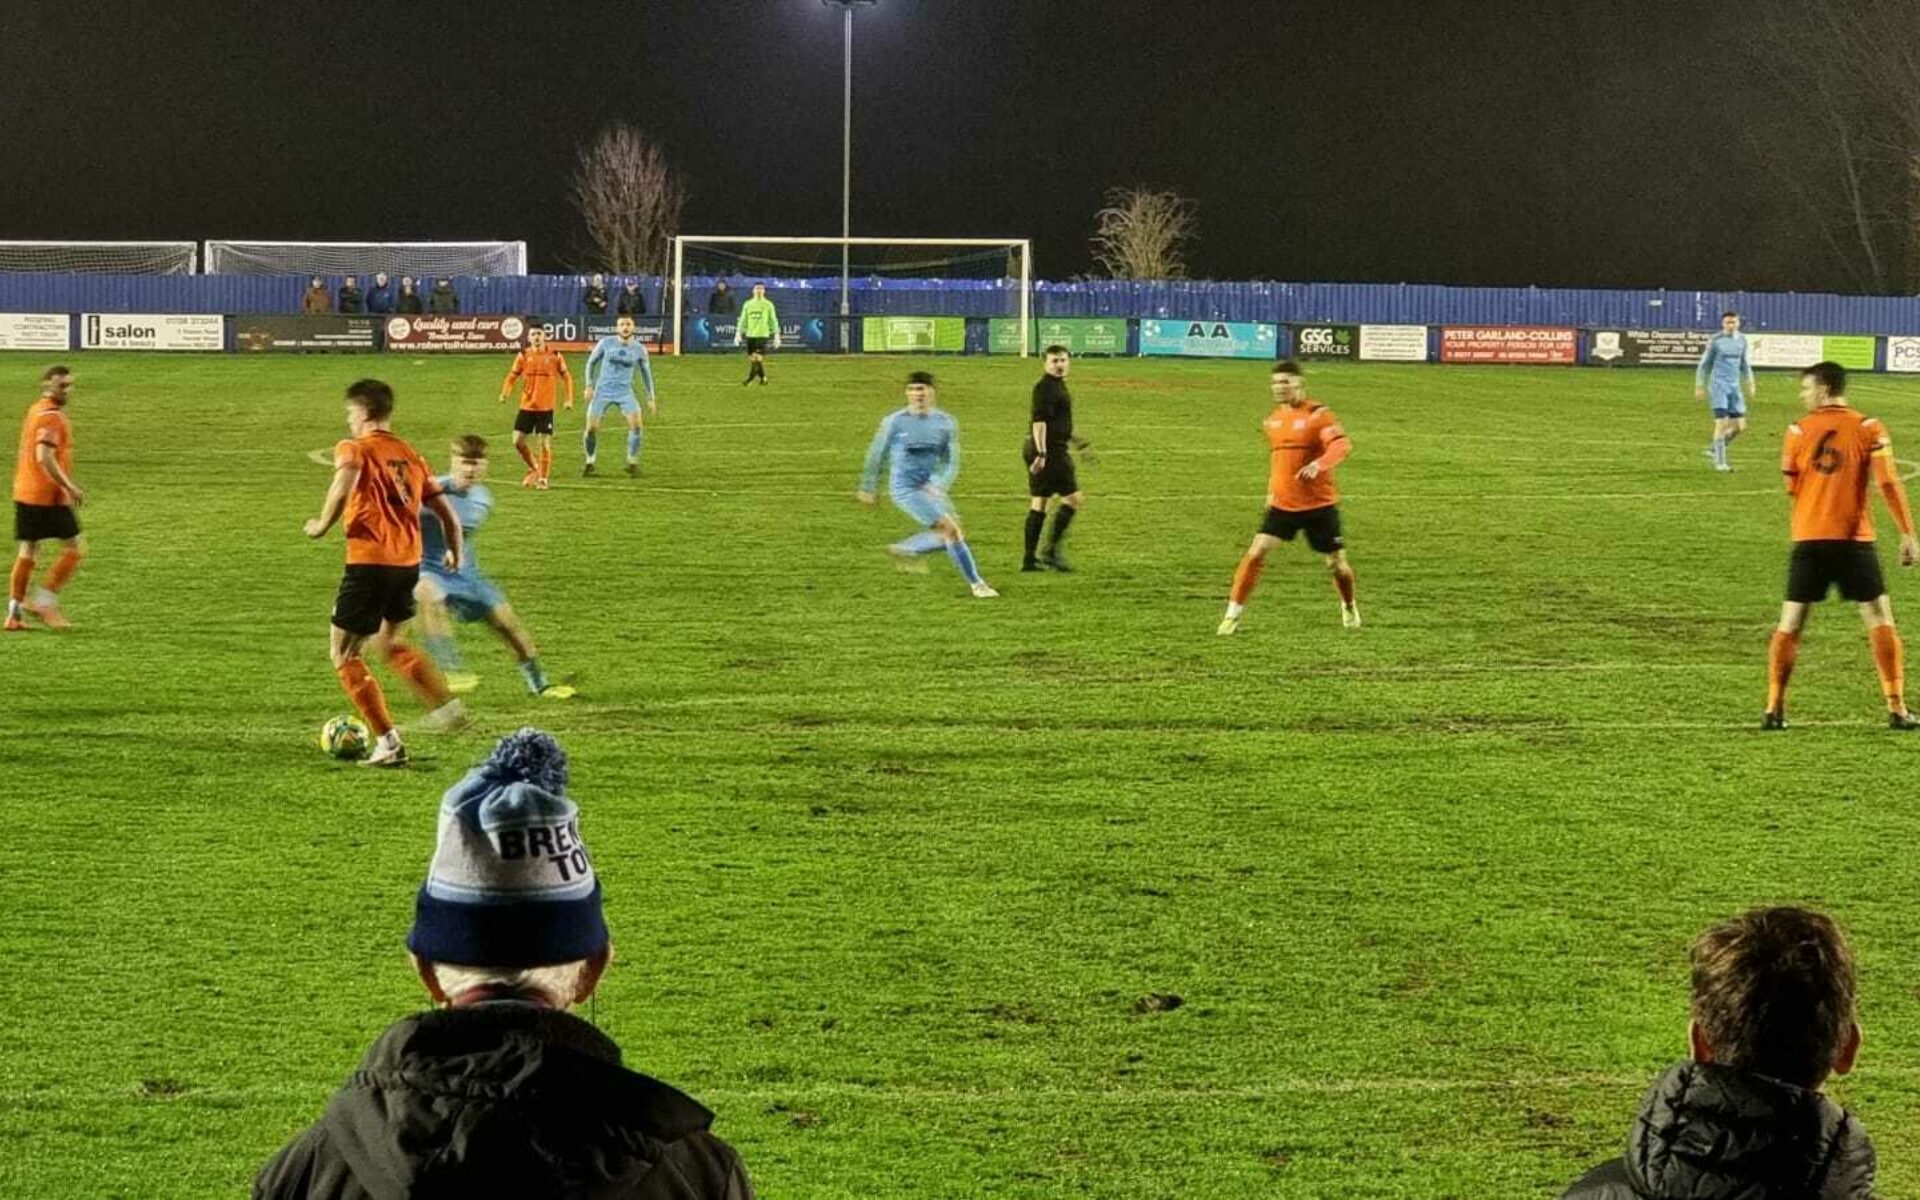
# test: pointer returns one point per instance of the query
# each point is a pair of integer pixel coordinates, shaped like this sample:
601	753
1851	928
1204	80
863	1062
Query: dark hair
922	378
469	445
1054	349
1773	993
47	376
1286	366
1728	313
372	395
1830	375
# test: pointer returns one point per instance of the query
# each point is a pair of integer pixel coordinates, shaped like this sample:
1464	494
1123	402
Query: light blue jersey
616	361
925	449
470	596
1724	364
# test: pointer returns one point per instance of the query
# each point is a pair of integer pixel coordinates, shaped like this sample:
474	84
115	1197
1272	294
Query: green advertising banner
911	335
1853	353
1080	335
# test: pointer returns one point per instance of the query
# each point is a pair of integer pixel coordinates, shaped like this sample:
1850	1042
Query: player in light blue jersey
924	444
1725	380
466	595
615	358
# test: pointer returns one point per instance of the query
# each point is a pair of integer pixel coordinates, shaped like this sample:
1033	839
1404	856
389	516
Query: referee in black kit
1049	463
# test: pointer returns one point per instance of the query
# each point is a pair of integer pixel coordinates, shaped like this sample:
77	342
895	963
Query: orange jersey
1298	436
1828	461
46	425
539	369
383	509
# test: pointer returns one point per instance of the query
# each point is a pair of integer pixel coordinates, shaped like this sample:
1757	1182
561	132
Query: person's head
350	281
1057	360
759	291
598	281
624	327
1823	383
468	454
920	391
1288	387
722	286
1773	994
443	282
537	337
317	282
1730	321
369	405
632	285
379	279
511	907
406	283
55	382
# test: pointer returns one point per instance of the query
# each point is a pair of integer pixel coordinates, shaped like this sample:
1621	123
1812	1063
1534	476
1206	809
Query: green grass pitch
890	869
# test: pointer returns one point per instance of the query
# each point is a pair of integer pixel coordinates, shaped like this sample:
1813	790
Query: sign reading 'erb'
440	333
34	331
1209	339
152	331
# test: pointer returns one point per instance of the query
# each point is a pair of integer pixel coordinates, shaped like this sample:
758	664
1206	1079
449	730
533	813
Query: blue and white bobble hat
511	883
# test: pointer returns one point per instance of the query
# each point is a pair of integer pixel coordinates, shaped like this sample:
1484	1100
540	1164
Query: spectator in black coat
380	295
720	300
595	299
352	301
631	301
1773	1017
442	298
408	301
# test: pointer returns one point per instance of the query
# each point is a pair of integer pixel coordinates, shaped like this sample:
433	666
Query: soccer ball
345	737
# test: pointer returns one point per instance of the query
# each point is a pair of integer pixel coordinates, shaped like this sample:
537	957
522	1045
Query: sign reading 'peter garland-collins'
715	333
314	334
1209	339
1509	344
1326	341
437	333
152	331
1647	347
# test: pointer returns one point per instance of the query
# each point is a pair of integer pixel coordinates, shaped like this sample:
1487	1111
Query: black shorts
1321	525
757	345
44	522
370	594
528	420
1815	568
1057	478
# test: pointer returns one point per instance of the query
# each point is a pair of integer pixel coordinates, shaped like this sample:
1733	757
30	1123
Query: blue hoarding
1208	339
716	333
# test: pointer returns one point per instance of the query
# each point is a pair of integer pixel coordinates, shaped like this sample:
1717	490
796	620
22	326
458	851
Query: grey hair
559	984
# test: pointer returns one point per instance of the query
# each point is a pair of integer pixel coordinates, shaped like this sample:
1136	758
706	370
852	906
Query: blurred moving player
924	444
45	500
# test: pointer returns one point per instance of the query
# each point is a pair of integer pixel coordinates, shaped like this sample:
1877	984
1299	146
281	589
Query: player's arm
1790	459
949	462
1746	369
1886	473
1700	373
876	454
45	453
513	376
646	377
593	360
773	315
1335	445
560	361
346	477
438	504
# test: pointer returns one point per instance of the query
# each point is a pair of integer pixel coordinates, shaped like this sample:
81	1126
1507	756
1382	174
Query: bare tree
629	200
1142	234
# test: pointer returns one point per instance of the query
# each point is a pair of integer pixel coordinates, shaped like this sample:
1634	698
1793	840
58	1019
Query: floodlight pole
846	8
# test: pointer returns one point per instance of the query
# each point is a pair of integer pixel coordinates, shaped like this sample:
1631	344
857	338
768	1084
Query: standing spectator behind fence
720	300
1773	1017
442	299
501	1091
380	295
352	301
317	298
408	301
595	298
631	302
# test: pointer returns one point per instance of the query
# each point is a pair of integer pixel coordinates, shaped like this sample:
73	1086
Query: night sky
1612	142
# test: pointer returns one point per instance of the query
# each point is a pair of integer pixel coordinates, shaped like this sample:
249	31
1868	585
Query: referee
1050	464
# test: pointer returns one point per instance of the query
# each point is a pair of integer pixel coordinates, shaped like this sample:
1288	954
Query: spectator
442	299
1773	1016
317	298
720	299
500	1091
631	302
408	301
595	299
352	302
380	295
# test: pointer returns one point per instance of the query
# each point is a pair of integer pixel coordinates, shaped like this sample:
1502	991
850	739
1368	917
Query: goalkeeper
759	324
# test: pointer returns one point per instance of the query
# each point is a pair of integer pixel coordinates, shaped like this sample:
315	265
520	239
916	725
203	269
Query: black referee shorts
1057	478
371	593
44	522
1817	567
1321	525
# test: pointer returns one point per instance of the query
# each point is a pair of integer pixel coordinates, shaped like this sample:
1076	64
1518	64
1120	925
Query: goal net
103	258
902	294
366	258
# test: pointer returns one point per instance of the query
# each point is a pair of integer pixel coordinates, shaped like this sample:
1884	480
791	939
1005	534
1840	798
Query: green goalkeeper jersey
758	319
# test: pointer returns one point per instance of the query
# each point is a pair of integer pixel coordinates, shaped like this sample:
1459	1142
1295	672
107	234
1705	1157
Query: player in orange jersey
44	499
1828	458
1307	443
379	483
539	367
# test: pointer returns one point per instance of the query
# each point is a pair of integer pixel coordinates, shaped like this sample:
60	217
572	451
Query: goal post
101	258
997	271
366	258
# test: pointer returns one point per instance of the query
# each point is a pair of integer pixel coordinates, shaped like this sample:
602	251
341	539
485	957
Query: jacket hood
503	1099
1708	1132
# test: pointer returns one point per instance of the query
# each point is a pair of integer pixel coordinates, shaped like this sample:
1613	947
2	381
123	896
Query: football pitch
904	884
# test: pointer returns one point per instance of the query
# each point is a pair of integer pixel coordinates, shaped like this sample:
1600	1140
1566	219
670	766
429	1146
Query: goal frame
680	242
194	256
519	248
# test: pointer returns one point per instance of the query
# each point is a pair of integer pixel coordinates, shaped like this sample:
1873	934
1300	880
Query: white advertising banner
1393	343
1786	349
1903	354
35	331
153	331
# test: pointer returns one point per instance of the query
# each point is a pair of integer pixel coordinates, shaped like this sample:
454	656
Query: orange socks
1888	659
419	671
364	691
63	569
1343	583
17	582
1781	652
1245	576
546	462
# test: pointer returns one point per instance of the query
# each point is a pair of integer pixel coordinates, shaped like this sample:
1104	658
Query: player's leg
1342	572
1322	527
444	710
546	455
23	564
753	361
947	526
505	622
348	637
436	632
520	447
590	440
1036	524
1071	498
1247	573
636	432
1783	650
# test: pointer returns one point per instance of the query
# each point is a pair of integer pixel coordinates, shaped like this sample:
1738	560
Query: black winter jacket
504	1099
1708	1132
